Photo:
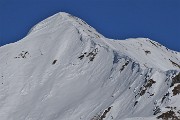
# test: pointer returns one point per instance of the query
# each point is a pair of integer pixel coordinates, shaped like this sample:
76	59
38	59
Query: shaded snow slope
65	70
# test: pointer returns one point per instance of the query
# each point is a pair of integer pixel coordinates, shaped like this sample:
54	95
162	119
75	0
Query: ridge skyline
115	19
66	15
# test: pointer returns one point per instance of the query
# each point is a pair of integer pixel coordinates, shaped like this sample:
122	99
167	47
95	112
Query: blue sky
158	20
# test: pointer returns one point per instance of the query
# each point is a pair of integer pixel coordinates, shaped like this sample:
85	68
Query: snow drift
65	70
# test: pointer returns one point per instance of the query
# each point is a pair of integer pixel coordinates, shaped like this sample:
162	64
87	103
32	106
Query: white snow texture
65	70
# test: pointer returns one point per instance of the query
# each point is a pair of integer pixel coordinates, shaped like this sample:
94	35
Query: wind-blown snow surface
65	70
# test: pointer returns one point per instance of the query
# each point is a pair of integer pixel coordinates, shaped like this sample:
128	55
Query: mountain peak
60	19
65	70
62	25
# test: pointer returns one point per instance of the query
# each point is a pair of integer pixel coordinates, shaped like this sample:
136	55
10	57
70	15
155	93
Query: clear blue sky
158	20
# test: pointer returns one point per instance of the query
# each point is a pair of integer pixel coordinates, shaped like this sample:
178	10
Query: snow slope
65	70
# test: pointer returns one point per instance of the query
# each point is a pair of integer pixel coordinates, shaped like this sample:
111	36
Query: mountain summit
65	70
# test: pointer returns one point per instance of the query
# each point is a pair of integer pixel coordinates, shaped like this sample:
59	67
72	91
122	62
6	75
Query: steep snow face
65	70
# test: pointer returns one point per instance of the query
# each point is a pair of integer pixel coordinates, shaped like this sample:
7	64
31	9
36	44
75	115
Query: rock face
65	70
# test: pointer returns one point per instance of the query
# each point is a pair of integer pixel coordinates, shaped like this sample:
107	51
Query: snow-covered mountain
65	70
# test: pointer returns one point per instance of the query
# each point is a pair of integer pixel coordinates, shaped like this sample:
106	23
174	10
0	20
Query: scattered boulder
176	90
54	62
175	80
169	115
23	54
144	88
147	52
